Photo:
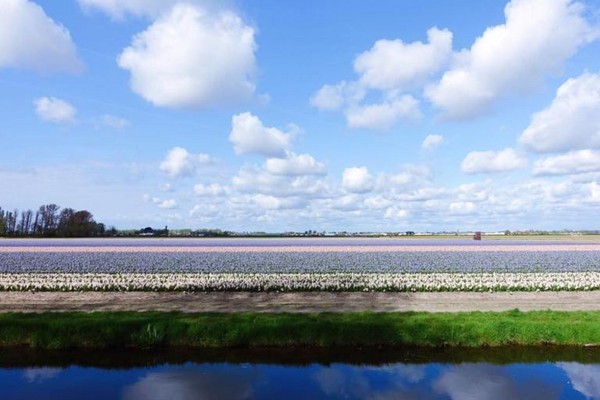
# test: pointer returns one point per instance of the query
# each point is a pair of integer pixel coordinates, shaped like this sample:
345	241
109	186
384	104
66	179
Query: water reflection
190	382
584	378
32	375
416	376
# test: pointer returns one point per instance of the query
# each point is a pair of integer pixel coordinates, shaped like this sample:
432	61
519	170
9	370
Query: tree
49	222
36	229
65	222
83	224
49	219
2	222
24	226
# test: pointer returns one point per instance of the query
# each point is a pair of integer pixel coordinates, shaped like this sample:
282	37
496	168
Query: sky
264	115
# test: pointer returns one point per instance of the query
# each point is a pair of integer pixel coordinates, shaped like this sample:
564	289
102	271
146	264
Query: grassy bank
155	329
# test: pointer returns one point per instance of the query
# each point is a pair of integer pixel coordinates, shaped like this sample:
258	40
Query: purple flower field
297	264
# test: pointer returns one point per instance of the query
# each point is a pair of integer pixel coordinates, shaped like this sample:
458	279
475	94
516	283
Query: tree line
51	221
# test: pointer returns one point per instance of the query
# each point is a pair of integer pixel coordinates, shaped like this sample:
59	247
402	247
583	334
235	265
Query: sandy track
296	302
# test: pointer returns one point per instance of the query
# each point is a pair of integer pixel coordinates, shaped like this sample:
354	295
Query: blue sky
336	115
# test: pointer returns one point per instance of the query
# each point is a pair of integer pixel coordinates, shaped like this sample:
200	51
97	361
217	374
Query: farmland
298	265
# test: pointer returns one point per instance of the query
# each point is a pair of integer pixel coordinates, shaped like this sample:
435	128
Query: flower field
285	266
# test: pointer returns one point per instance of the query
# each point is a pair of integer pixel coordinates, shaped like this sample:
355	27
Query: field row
431	282
301	262
322	248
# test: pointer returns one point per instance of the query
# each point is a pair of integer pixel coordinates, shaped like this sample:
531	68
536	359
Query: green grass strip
214	330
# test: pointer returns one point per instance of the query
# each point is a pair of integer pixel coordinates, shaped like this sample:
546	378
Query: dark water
352	374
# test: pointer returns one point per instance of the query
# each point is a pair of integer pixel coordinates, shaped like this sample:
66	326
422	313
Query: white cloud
394	65
32	40
269	202
253	179
395	213
168	204
55	110
191	58
383	116
210	190
294	164
334	97
249	135
410	173
571	122
180	162
462	207
574	162
594	191
538	36
493	161
389	67
377	202
432	141
357	180
118	9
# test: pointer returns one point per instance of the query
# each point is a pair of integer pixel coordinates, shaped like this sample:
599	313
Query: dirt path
296	302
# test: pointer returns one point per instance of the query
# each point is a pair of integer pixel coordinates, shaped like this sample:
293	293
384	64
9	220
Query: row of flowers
301	262
381	282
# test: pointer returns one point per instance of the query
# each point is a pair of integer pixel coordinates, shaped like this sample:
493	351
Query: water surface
536	373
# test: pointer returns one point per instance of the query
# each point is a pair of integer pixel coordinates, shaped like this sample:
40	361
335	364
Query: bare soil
301	302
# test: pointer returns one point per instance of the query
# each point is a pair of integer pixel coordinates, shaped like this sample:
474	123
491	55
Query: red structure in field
477	235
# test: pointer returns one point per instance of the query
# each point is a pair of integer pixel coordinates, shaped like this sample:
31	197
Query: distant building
148	231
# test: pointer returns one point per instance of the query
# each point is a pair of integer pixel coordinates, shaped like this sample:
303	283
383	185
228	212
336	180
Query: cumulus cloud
395	65
388	68
432	141
357	180
294	164
32	40
512	57
594	191
334	97
269	202
571	122
168	204
383	116
181	163
462	207
210	190
189	58
249	135
493	161
574	162
253	179
53	109
396	213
